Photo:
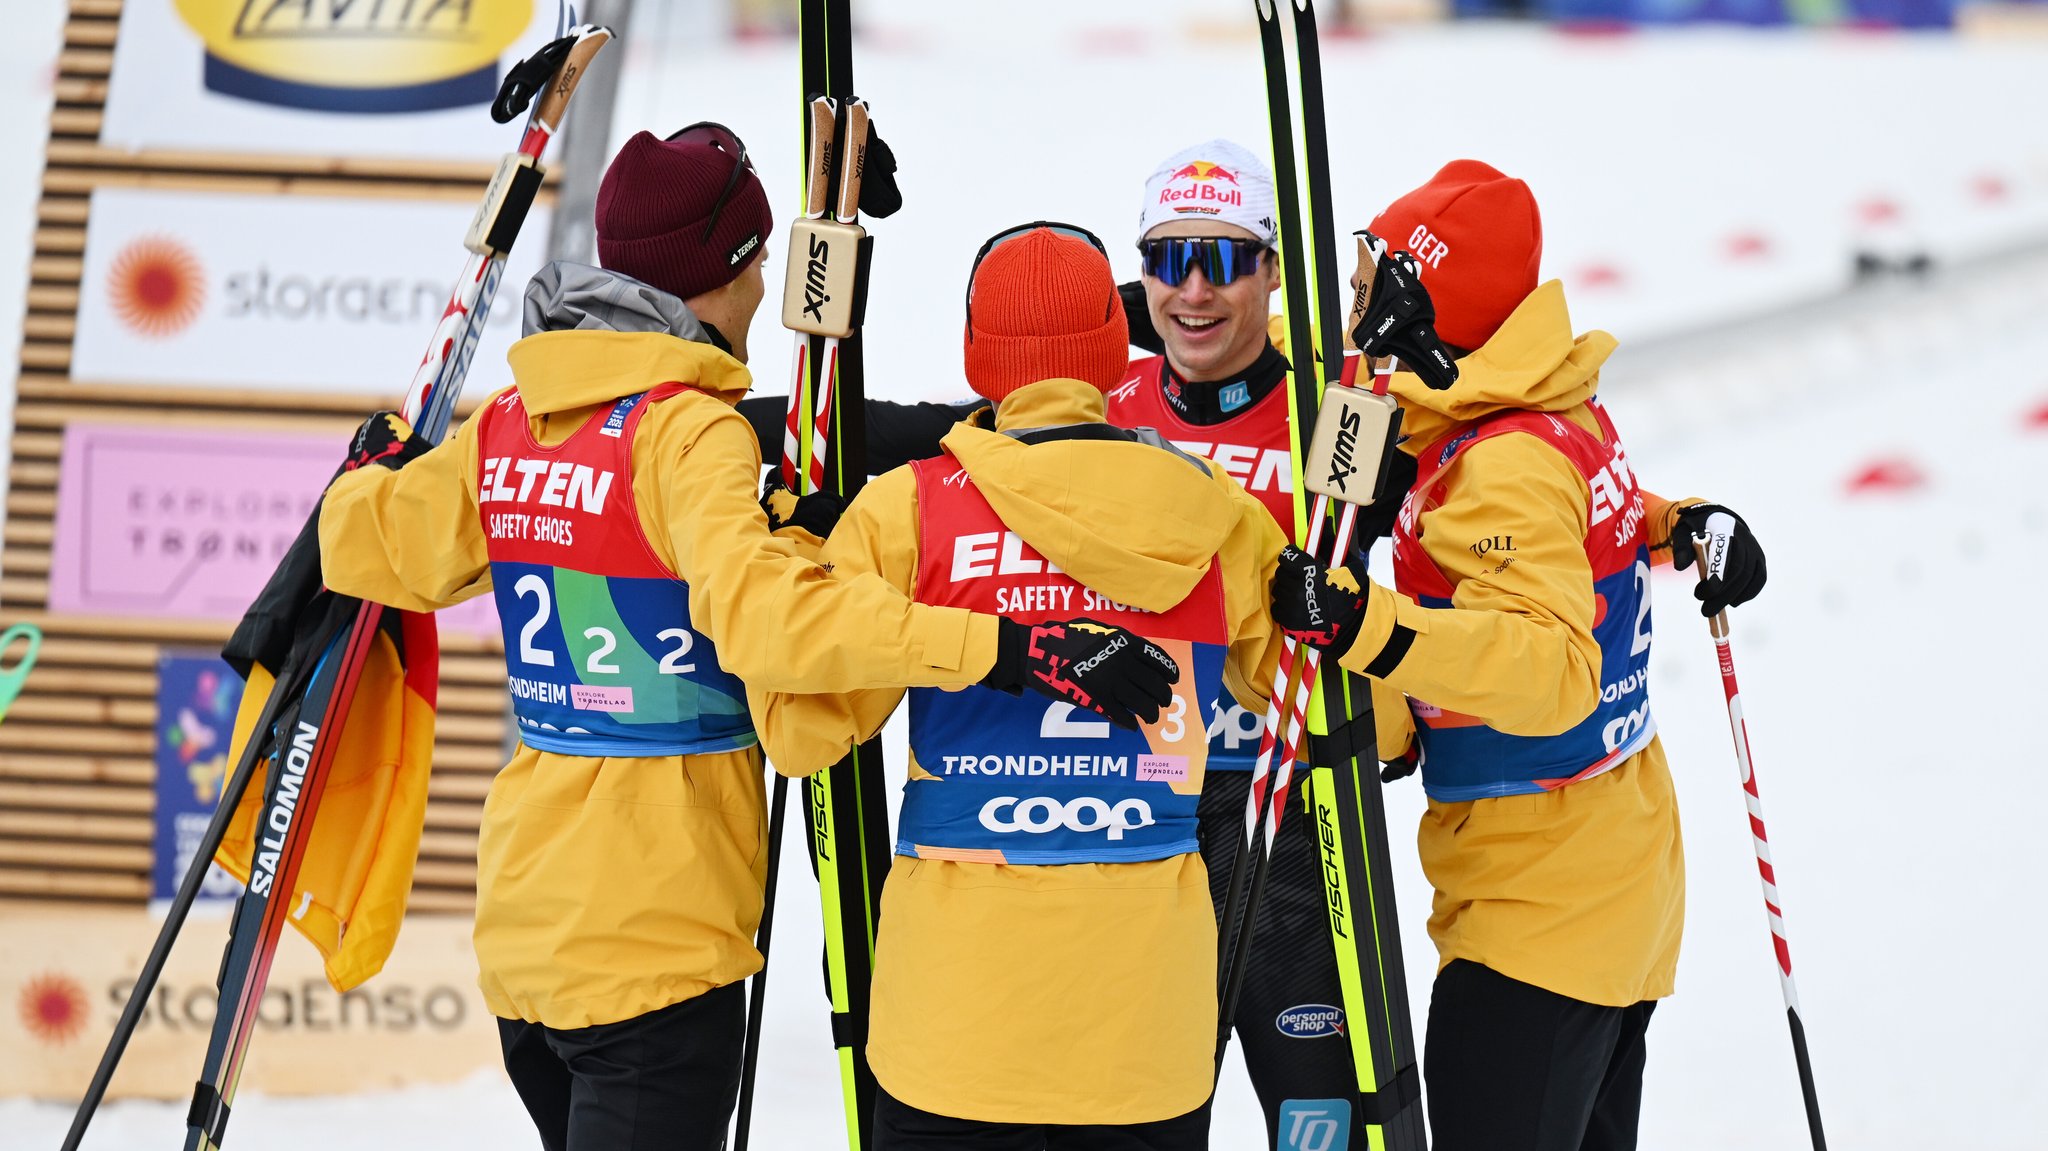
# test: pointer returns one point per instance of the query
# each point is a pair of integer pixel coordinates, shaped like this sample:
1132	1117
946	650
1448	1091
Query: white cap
1217	180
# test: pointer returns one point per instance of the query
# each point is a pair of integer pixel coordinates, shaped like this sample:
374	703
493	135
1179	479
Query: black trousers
1299	1064
667	1079
1512	1067
901	1127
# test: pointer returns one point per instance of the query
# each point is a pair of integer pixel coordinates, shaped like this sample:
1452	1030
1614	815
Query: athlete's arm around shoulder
1249	556
877	539
409	538
780	621
1516	647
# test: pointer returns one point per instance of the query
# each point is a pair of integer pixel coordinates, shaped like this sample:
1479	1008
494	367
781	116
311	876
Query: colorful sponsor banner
206	290
65	974
323	77
196	698
181	523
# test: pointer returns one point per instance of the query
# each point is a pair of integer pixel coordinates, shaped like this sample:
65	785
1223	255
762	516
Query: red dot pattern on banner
1888	475
156	286
2037	420
53	1008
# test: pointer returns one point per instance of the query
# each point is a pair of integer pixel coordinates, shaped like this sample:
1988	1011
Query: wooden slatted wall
76	768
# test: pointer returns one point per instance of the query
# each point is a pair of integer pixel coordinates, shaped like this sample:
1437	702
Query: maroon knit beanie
652	208
1044	306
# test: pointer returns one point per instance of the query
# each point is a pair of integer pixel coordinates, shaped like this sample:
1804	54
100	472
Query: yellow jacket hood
593	336
563	371
1533	362
1092	506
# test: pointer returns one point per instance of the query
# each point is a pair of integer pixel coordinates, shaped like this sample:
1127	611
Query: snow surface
1900	814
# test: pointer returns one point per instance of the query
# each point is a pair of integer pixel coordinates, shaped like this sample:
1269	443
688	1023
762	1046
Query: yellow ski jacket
610	887
1580	890
1083	993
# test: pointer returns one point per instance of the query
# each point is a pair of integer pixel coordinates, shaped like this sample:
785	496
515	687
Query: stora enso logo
356	56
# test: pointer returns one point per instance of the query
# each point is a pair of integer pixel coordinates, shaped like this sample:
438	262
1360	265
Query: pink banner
187	524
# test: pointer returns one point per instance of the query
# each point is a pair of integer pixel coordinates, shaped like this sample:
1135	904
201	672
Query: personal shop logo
356	56
157	286
53	1008
1310	1021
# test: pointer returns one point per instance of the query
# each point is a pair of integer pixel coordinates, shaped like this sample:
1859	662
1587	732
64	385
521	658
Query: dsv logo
1041	814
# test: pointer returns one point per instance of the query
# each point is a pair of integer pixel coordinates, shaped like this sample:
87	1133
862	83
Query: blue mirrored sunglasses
1221	258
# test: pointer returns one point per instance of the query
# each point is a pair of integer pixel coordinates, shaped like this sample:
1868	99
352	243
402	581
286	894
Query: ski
302	742
846	805
1328	714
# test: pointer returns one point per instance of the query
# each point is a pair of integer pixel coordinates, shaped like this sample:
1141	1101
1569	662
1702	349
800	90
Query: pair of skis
825	449
298	728
1343	792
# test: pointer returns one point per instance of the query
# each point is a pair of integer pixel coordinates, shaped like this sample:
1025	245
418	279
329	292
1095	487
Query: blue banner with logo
196	699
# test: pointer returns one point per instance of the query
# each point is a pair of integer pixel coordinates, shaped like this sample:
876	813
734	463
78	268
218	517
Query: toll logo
1310	1021
157	287
53	1008
353	57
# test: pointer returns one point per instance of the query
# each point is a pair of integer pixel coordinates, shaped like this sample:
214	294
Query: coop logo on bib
1042	814
356	56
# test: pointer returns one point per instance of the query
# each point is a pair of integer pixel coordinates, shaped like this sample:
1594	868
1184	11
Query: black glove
1376	520
817	513
1138	315
1400	321
879	195
1118	675
1319	605
1734	562
384	438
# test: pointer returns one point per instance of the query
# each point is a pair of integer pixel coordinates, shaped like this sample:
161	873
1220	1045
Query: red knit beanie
1479	240
1044	306
652	208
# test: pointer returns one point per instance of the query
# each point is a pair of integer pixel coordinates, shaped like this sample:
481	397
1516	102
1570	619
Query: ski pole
174	917
1712	549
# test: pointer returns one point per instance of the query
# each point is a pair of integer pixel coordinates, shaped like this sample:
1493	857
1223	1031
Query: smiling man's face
1211	332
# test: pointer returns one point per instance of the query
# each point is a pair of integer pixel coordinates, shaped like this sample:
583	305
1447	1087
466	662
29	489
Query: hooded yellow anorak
1081	993
610	887
1580	890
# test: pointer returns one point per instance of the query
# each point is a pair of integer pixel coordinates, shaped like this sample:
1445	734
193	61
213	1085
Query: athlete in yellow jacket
608	499
1514	659
1046	959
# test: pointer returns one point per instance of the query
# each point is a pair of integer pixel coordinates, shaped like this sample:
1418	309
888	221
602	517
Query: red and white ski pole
1712	549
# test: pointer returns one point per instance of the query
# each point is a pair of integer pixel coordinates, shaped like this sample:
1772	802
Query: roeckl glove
385	438
1118	675
816	512
1317	604
1734	563
1400	321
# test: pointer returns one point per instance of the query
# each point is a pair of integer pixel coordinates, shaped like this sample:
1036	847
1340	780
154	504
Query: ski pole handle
554	101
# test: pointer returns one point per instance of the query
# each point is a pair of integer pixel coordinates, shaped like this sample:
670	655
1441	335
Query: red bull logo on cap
1194	188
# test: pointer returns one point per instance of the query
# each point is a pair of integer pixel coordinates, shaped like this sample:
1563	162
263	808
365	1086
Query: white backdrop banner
341	78
293	293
